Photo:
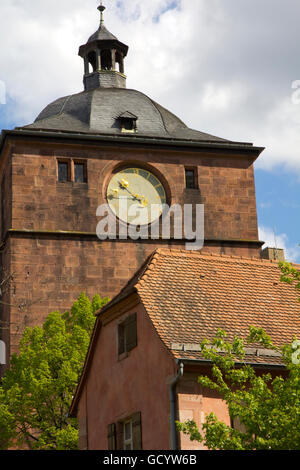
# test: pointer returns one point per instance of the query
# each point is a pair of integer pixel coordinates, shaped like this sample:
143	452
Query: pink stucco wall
140	383
116	389
194	403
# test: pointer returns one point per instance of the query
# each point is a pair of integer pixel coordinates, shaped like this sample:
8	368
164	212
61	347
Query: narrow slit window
80	173
190	179
63	172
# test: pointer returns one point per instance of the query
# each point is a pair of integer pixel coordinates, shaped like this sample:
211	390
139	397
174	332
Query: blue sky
278	206
224	67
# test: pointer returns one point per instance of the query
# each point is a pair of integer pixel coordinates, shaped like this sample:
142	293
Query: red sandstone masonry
50	271
69	206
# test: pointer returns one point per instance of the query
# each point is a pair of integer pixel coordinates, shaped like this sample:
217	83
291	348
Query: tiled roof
189	296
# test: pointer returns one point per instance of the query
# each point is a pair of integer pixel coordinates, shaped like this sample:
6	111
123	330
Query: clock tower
92	148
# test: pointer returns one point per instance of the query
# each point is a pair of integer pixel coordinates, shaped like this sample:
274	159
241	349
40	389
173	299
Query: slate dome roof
102	34
97	111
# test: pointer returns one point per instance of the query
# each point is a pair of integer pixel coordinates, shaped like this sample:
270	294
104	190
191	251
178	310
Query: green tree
268	408
290	275
37	390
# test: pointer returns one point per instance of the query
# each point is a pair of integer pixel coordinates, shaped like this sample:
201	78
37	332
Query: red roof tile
189	296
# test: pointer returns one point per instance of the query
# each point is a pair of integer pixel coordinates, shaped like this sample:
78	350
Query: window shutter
111	436
137	431
121	339
120	437
131	332
83	437
236	424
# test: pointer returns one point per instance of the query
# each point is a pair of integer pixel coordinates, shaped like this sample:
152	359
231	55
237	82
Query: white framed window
127	435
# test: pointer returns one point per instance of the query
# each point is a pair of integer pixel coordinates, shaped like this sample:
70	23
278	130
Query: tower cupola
103	56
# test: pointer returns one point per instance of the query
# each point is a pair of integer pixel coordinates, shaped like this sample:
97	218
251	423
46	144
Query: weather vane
101	8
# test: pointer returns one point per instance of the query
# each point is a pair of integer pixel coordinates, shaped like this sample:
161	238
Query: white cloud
216	97
2	93
225	68
275	240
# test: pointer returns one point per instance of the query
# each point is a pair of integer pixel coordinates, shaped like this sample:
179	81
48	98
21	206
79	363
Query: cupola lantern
103	56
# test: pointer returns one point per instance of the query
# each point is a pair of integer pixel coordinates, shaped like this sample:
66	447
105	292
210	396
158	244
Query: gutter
255	365
136	139
173	405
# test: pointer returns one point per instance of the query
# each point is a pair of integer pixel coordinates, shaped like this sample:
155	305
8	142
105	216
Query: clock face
136	196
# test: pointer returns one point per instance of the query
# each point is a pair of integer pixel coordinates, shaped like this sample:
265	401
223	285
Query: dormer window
128	122
128	125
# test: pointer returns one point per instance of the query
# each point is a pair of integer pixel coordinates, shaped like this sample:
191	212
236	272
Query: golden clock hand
119	197
124	184
116	196
143	201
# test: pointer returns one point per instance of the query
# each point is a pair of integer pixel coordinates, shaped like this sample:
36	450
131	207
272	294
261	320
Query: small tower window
191	178
72	171
80	173
63	172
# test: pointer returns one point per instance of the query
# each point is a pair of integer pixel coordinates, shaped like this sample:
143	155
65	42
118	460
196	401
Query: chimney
275	254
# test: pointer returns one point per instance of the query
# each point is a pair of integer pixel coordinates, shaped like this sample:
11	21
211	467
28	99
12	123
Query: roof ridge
188	253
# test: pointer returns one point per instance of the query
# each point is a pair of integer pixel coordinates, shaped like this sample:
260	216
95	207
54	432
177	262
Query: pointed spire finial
101	8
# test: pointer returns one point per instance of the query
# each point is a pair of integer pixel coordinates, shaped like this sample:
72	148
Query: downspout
173	405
